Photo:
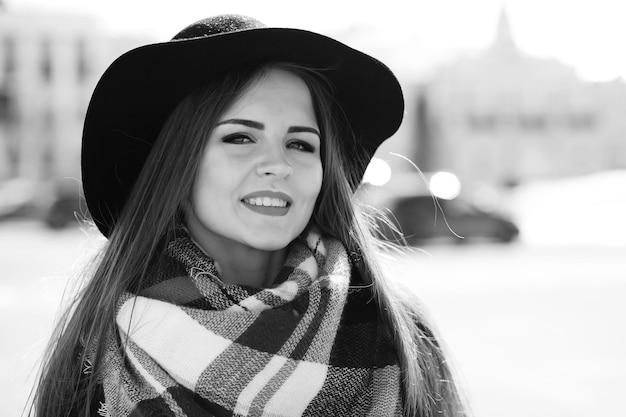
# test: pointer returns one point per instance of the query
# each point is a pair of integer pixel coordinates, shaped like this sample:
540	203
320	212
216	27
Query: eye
301	145
238	139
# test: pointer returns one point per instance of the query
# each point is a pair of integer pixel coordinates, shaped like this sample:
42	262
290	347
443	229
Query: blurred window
82	64
483	121
533	122
6	107
8	44
46	60
47	143
581	121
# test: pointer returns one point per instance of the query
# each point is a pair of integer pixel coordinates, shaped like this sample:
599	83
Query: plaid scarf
189	345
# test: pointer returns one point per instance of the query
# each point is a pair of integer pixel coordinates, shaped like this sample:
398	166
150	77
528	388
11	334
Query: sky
409	35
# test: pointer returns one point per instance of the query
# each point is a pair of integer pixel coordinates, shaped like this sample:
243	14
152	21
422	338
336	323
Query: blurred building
49	66
503	117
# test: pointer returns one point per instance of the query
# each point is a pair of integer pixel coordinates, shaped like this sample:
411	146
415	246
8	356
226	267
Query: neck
240	264
259	269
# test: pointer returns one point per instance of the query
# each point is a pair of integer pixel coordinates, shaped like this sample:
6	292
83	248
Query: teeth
266	202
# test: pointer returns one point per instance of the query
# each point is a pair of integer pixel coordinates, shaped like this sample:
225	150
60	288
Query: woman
239	277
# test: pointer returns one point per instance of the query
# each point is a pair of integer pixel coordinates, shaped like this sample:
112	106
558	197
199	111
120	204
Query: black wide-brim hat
142	87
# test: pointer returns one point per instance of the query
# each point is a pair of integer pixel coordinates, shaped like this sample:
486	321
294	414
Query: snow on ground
580	210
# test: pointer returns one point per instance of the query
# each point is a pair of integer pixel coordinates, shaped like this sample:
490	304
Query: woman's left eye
300	145
237	139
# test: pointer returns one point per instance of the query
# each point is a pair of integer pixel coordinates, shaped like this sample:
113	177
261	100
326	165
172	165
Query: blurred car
16	198
422	218
67	206
64	211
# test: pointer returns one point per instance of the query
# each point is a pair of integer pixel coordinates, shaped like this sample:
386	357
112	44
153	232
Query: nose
274	162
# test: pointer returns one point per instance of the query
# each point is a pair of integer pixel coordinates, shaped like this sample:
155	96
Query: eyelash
240	139
302	146
236	138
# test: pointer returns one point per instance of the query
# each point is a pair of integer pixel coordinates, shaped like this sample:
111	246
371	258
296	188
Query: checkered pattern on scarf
190	345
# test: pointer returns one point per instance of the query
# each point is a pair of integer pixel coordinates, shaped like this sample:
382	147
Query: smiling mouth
266	202
267	206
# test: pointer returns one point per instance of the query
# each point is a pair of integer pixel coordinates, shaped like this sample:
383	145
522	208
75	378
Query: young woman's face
261	172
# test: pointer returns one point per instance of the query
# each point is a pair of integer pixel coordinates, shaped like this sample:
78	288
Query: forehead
273	89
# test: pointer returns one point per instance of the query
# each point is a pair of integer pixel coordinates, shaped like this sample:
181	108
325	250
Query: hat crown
218	25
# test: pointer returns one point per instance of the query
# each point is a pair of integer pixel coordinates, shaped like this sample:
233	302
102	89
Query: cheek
319	178
216	175
314	183
207	186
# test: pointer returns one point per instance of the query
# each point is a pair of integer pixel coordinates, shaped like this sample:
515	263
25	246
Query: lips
269	203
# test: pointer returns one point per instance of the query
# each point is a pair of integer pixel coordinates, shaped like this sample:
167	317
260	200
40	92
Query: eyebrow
245	122
260	126
298	129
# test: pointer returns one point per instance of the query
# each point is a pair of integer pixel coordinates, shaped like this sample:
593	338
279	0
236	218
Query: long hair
155	210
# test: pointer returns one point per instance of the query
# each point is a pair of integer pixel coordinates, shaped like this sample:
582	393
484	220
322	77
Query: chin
269	245
270	241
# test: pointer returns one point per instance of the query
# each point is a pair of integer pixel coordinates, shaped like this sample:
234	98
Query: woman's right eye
237	139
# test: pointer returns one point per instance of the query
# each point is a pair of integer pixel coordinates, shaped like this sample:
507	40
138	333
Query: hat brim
141	88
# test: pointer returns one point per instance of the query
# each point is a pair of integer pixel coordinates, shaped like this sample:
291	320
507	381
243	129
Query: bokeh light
377	173
445	185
